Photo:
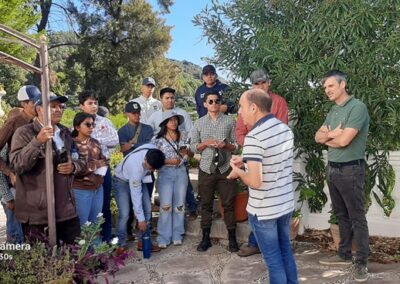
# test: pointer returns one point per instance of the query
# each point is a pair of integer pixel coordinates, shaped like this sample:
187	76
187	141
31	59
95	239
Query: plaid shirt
5	192
222	129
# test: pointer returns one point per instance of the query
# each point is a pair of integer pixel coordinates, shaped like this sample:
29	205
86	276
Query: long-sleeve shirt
17	119
222	129
279	109
148	107
106	134
132	170
186	126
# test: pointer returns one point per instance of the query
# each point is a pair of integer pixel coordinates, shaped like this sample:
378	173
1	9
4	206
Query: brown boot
246	251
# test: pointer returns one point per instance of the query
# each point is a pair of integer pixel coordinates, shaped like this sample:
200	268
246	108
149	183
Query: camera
62	155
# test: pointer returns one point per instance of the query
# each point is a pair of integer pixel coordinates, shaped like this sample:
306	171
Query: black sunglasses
89	125
216	101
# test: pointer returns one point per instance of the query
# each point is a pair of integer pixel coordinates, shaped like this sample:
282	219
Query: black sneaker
361	273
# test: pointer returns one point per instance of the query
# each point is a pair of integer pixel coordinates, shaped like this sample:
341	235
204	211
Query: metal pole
49	147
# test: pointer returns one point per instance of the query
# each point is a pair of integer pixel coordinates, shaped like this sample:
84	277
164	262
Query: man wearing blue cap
26	96
27	155
211	83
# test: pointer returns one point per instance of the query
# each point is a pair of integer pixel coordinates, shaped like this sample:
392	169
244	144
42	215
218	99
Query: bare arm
343	139
253	176
322	135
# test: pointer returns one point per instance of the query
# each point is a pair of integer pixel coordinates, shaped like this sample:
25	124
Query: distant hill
193	69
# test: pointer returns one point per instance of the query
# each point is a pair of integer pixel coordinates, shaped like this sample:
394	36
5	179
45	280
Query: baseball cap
53	97
132	107
259	76
149	81
209	69
28	93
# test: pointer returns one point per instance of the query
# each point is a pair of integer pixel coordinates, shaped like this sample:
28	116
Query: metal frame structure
41	48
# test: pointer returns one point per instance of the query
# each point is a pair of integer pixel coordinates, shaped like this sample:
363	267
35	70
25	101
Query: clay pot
240	206
335	232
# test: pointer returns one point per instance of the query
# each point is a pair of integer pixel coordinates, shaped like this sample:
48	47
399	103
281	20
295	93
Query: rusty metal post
49	147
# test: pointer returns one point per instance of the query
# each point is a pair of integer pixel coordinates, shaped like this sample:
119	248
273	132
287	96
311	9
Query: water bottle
146	240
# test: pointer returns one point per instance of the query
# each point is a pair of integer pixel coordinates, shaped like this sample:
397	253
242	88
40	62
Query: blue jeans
106	231
190	199
123	195
346	188
172	185
273	237
88	204
252	242
14	228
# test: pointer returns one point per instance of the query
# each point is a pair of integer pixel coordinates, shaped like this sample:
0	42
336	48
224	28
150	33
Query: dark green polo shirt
354	114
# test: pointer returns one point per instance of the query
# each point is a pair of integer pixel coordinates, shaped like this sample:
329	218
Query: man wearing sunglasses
211	82
28	158
213	136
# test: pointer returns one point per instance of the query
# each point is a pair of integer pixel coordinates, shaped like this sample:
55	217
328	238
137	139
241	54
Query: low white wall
378	223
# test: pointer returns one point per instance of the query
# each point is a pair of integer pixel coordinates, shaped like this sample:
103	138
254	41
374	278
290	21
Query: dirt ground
383	250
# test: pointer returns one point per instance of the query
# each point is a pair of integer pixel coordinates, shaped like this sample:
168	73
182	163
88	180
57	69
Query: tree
18	15
119	40
298	42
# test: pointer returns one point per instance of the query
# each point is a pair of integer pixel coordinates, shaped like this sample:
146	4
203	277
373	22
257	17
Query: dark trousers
346	188
190	199
208	184
67	231
106	228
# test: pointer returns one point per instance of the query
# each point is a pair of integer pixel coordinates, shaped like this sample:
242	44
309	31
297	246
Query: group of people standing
160	136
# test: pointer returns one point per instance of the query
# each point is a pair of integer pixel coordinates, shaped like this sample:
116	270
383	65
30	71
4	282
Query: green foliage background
298	42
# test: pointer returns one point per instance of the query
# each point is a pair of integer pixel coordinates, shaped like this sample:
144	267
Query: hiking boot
233	245
246	251
335	260
361	273
205	243
154	247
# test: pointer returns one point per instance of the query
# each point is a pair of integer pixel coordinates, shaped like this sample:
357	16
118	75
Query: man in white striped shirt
268	155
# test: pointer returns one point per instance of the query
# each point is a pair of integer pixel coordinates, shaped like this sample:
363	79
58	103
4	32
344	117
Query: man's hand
11	205
212	143
221	144
66	168
13	179
234	174
336	132
142	226
237	161
45	134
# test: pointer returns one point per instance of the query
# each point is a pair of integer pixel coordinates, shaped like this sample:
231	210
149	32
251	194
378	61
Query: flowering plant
82	262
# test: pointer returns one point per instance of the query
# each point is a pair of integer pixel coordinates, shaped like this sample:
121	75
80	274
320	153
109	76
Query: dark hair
211	92
166	90
78	119
155	158
260	98
163	129
85	95
339	76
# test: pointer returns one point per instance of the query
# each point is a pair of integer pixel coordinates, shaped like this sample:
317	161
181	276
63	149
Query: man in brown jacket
28	159
16	118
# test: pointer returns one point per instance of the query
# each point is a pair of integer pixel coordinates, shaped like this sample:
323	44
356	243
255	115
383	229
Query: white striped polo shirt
270	142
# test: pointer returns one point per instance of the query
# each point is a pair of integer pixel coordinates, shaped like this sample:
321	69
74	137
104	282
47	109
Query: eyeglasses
90	125
216	101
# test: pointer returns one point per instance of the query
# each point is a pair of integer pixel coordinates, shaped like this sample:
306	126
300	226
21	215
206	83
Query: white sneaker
178	243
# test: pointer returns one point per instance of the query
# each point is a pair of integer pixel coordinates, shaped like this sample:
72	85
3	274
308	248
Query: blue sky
187	42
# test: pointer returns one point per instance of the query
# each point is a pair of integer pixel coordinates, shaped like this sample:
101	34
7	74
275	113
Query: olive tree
298	42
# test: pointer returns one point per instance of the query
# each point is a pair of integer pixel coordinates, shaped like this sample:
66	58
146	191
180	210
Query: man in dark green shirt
345	133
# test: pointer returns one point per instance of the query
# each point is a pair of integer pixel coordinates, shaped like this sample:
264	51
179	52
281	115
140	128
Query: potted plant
240	203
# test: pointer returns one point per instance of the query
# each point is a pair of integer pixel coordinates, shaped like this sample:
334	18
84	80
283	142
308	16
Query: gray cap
53	97
149	81
259	76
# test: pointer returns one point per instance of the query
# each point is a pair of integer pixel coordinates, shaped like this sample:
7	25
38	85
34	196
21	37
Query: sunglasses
90	125
216	101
